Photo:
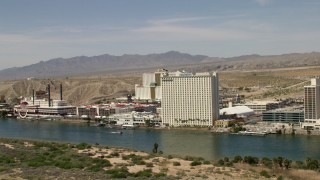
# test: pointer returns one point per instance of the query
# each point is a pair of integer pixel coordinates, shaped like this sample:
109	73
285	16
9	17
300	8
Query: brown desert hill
81	65
173	60
75	91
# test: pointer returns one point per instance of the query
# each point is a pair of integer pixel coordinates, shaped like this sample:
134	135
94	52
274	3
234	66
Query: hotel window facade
190	100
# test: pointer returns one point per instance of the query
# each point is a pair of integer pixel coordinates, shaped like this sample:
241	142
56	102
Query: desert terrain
255	84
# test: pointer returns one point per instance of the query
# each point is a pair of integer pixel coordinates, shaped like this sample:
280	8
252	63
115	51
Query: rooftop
289	109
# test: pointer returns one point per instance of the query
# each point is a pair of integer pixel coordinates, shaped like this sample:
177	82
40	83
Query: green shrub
251	160
82	146
265	174
191	158
144	173
228	164
6	159
38	161
195	163
299	165
127	157
206	162
237	159
312	164
176	163
160	175
170	156
138	160
64	165
280	178
220	163
119	172
100	163
114	154
267	162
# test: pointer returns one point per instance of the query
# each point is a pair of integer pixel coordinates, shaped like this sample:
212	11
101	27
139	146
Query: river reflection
175	142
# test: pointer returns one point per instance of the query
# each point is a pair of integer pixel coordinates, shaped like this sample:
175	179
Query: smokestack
60	91
33	96
49	97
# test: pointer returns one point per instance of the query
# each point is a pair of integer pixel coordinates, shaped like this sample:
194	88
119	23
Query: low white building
239	111
134	118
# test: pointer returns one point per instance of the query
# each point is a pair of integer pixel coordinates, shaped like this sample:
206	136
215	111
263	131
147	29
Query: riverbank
28	159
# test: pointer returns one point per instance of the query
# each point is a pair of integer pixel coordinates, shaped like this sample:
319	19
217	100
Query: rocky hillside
76	91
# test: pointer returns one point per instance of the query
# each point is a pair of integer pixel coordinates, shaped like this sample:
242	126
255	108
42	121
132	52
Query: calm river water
176	142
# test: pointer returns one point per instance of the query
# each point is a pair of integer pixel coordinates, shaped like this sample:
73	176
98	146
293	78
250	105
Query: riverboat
251	133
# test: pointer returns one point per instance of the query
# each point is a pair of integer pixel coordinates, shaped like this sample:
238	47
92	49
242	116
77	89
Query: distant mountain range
83	65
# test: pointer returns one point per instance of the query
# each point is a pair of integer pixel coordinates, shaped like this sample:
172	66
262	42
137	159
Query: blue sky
36	30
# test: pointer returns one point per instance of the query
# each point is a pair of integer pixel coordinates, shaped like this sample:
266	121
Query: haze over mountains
108	64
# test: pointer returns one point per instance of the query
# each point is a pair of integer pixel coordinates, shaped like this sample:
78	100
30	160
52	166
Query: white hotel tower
190	99
312	105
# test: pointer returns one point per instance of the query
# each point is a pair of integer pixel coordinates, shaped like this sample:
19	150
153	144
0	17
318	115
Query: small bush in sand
265	174
237	159
220	163
160	175
127	157
267	162
119	172
206	162
191	158
195	163
82	146
144	173
99	164
149	164
138	160
280	178
176	163
114	154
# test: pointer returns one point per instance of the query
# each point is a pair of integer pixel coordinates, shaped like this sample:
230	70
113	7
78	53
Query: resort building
190	99
293	115
104	110
312	105
40	105
150	89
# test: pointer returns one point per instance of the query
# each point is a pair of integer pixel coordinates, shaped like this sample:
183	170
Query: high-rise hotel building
190	99
312	105
150	89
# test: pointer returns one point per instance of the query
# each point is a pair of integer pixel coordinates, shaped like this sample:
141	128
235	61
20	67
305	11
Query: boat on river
251	133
